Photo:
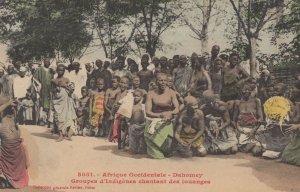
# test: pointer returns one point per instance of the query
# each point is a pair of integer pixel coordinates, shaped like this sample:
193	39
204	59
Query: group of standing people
159	106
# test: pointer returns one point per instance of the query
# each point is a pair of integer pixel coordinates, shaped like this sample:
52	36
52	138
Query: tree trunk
151	50
239	32
71	60
204	29
253	57
204	42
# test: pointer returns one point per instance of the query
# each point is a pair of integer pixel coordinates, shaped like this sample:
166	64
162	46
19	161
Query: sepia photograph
149	95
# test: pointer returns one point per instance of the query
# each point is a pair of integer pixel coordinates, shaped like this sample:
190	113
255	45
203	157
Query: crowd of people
187	106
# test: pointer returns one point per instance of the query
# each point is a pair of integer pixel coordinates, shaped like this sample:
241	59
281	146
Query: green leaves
44	28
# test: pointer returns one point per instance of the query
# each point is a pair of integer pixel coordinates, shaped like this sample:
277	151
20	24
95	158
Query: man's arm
175	103
244	74
209	83
5	105
148	107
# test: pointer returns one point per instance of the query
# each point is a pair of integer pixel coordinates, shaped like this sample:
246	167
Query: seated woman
13	160
189	130
291	154
161	106
221	137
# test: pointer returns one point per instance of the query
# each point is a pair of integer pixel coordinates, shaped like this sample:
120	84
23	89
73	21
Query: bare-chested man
216	76
164	68
145	75
189	130
215	50
233	77
161	105
137	124
247	117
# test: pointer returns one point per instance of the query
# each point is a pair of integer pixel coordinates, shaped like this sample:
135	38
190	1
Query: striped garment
97	110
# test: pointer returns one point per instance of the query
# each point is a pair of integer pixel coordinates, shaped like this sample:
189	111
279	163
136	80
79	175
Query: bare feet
60	139
69	136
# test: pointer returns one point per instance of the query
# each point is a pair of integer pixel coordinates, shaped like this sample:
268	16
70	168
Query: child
110	98
123	110
136	85
137	125
97	108
83	110
80	121
27	109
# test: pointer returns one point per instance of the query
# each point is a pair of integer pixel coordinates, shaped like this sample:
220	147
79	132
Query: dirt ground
57	165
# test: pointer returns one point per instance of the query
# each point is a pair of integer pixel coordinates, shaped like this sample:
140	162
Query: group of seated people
186	111
169	107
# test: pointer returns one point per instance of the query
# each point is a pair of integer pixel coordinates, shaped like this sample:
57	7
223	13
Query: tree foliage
154	18
289	25
111	20
253	17
47	29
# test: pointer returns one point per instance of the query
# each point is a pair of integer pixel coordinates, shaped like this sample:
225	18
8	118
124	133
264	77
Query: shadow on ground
277	175
123	153
46	135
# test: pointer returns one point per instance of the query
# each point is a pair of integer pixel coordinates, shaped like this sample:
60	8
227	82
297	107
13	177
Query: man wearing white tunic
78	76
21	84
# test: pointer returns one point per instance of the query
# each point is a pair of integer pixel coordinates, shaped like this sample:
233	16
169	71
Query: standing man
145	74
102	73
121	71
215	50
89	71
21	85
78	77
164	68
233	78
44	76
